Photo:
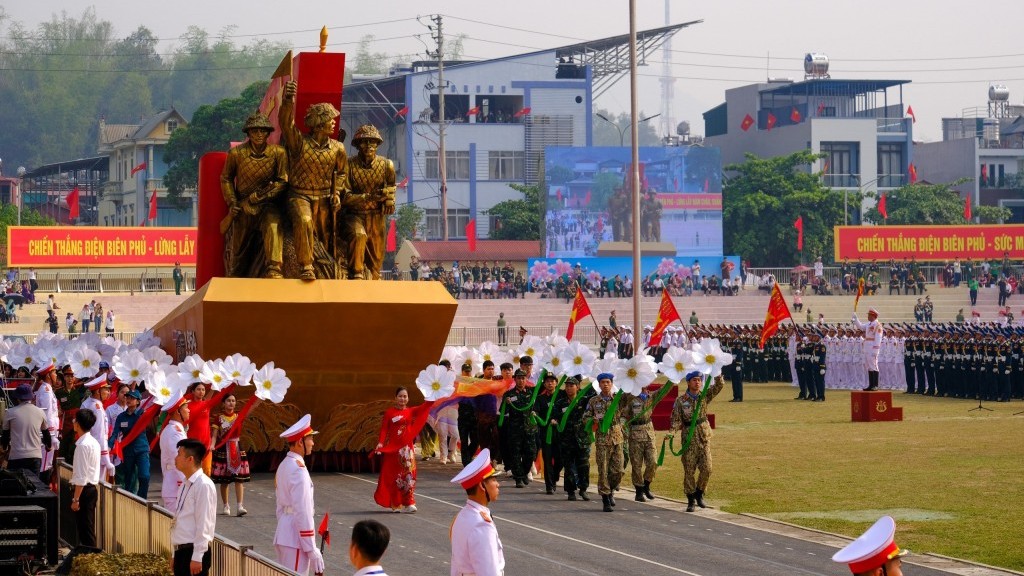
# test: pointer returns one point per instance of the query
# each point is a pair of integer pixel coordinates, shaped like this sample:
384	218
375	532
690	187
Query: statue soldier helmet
257	121
320	113
367	132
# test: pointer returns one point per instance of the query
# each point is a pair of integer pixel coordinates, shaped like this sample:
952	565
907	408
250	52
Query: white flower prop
90	339
555	341
108	348
552	361
578	359
85	362
239	369
5	347
213	374
709	358
606	364
490	351
271	383
145	339
131	366
452	354
676	363
46	351
157	358
162	385
21	355
191	367
632	374
466	355
532	346
436	382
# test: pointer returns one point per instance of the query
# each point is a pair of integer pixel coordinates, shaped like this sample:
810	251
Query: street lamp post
21	190
622	131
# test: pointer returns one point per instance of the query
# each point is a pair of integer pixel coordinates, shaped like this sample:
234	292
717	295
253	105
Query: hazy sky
951	51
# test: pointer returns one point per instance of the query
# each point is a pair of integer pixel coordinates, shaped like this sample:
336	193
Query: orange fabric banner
778	311
580	310
667	314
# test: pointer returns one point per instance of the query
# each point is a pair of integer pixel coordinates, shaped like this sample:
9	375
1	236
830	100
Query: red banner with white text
936	243
90	246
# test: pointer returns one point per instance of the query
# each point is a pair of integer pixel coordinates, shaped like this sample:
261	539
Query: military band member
172	433
872	345
476	548
874	553
294	539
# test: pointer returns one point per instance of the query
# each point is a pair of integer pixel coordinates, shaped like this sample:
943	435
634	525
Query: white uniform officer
173	432
875	553
295	536
99	430
872	345
476	548
46	400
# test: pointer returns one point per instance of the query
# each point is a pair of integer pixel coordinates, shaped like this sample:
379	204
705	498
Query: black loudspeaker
22	534
65	566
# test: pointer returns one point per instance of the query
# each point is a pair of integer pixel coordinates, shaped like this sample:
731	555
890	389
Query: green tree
408	218
518	219
606	132
9	217
764	197
932	204
212	128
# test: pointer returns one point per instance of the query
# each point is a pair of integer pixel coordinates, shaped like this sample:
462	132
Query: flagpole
635	169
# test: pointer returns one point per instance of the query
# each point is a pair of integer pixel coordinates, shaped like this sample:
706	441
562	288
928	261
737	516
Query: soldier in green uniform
608	443
689	409
549	450
69	399
573	438
637	414
519	430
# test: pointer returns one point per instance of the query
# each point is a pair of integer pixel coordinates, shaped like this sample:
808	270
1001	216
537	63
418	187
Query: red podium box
874	406
662	413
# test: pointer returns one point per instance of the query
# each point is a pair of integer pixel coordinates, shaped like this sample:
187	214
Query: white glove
316	561
854	316
54	441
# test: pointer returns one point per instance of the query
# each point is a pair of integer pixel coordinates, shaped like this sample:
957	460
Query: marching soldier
574	442
643	467
294	538
608	443
519	430
690	410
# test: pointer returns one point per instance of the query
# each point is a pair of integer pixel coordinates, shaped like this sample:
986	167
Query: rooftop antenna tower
667	83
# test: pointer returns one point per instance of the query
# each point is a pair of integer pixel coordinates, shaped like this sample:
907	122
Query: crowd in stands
471	280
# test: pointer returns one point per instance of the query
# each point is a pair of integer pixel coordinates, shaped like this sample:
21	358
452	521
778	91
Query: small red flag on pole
667	314
139	168
72	201
392	242
748	121
580	310
404	182
471	234
799	225
473	111
522	112
910	112
325	530
881	207
152	208
821	108
967	208
913	174
401	113
794	115
771	121
778	311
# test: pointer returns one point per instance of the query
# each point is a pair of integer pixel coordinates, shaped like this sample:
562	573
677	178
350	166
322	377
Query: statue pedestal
346	345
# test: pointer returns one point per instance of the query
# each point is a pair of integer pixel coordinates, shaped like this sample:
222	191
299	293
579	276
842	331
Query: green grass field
952	479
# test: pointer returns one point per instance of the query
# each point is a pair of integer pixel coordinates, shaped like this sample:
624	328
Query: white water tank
998	92
816	64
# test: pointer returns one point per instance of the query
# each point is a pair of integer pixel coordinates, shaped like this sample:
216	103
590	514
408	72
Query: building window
456	165
505	165
457	220
890	165
172	125
842	164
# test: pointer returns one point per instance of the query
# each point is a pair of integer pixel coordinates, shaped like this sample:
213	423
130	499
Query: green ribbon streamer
551	407
533	399
609	417
568	410
693	426
658	397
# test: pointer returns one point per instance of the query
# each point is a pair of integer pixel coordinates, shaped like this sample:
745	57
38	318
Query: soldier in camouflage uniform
637	414
519	430
366	208
574	442
688	408
318	174
254	175
607	445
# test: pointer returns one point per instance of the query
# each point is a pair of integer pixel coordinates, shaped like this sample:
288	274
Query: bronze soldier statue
654	210
318	174
254	176
368	204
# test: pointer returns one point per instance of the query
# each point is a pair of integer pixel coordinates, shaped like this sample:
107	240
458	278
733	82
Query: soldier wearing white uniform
99	391
875	552
476	548
295	536
46	400
872	345
173	432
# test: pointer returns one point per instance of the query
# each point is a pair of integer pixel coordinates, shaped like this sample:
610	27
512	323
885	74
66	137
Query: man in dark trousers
737	348
195	517
85	475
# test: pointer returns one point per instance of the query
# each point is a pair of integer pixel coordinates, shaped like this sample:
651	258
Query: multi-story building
136	171
982	152
859	125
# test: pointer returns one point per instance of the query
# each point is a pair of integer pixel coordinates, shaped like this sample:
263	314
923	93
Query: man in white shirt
195	513
369	541
85	475
172	433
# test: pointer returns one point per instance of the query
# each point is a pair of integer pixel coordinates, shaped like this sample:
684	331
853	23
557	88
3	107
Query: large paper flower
47	351
130	366
709	358
271	383
157	358
552	362
532	346
213	374
5	347
191	367
85	362
163	384
555	340
490	351
676	363
632	374
21	355
145	339
578	359
436	382
239	369
108	348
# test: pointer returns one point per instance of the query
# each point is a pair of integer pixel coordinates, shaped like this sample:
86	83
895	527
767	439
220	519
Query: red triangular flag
138	168
967	208
522	112
778	311
828	164
667	314
404	182
325	529
794	115
580	310
910	112
392	242
913	174
473	111
471	234
401	113
984	175
152	207
881	207
771	121
799	225
72	201
748	121
558	195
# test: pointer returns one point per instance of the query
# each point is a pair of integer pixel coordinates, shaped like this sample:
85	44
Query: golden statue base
346	345
646	249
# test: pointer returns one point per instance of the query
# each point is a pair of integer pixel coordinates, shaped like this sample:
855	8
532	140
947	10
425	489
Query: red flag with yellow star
580	310
667	314
778	311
